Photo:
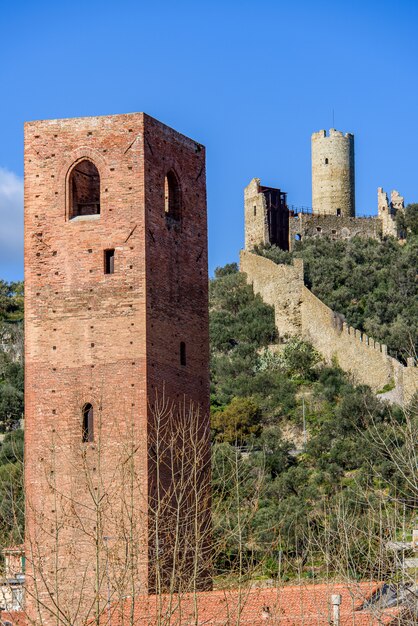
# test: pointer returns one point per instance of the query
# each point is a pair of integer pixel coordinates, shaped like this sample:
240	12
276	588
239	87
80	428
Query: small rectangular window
255	211
109	261
87	432
182	353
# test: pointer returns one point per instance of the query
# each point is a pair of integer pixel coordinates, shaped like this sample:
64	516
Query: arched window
326	161
84	190
88	424
172	196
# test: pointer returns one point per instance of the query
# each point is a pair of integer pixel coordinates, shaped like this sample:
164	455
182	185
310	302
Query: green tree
11	301
238	422
407	220
11	406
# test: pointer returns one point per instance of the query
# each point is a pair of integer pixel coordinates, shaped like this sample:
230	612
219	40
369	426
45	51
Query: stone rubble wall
299	312
311	226
256	226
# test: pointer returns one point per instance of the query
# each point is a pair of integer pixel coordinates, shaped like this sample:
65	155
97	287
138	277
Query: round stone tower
333	173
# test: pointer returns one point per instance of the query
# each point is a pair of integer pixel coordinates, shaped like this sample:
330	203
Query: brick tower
333	191
117	355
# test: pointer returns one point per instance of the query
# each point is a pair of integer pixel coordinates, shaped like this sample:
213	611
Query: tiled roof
20	549
17	618
296	605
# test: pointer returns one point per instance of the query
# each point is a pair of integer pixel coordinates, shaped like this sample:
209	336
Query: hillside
11	412
296	499
372	284
11	355
288	501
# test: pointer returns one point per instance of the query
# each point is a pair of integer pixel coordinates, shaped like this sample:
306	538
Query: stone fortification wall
333	173
409	379
280	286
335	227
299	311
354	351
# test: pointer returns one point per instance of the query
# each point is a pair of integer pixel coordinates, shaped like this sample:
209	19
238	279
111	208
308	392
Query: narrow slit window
172	196
109	261
326	161
339	212
182	353
255	211
88	434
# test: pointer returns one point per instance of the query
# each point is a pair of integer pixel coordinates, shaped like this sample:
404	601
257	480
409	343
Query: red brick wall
177	311
110	340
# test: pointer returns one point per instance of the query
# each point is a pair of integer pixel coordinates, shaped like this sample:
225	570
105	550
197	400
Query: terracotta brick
112	340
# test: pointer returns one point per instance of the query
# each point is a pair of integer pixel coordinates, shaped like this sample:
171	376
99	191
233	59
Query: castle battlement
364	339
300	312
333	132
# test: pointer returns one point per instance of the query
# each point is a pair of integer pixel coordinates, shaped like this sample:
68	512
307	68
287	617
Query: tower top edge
333	132
107	121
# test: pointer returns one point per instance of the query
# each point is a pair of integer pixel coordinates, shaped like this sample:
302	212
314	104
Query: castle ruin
297	310
333	202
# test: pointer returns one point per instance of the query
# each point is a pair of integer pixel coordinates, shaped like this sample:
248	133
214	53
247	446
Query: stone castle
268	220
116	321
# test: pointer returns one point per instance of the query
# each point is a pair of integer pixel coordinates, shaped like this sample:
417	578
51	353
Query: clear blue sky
250	80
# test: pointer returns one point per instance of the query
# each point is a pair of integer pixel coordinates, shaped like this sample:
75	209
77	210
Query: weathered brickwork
299	312
333	191
109	340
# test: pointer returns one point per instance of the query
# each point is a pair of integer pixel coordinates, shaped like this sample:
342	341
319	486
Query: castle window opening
88	433
319	229
334	232
338	212
109	261
255	211
326	161
172	196
182	353
84	190
298	237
